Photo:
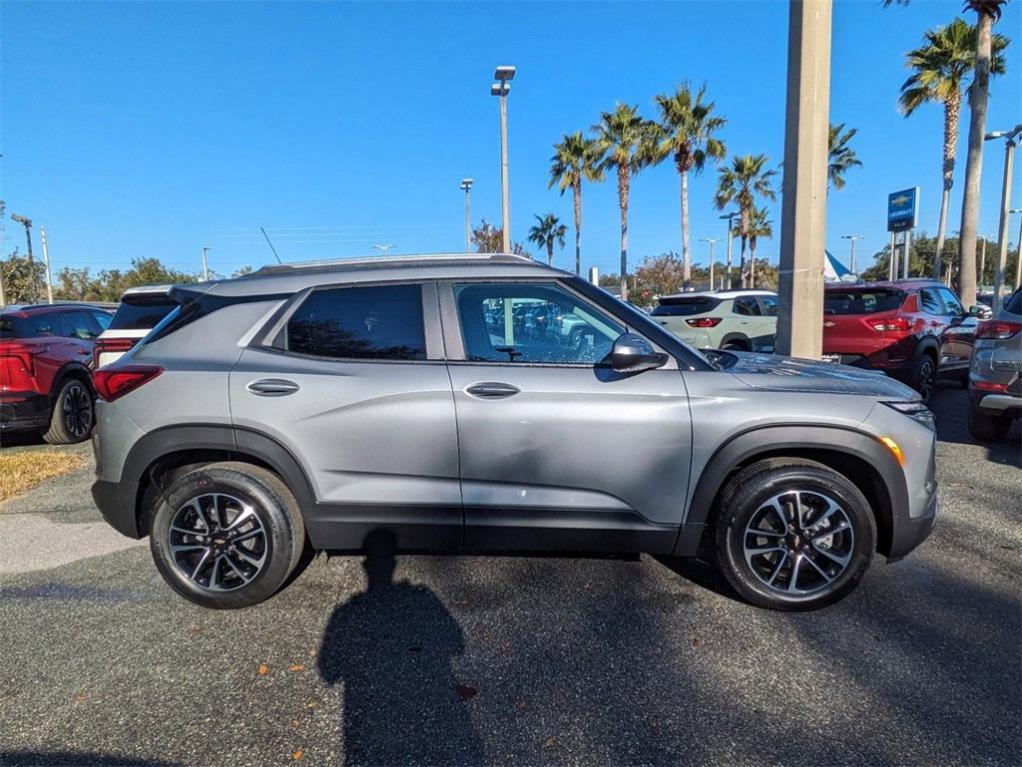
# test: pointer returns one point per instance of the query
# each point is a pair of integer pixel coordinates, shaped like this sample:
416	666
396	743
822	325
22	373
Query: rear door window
929	301
382	322
747	306
868	301
769	304
48	324
79	324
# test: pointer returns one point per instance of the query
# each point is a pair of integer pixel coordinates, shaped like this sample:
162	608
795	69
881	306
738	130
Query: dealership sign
903	210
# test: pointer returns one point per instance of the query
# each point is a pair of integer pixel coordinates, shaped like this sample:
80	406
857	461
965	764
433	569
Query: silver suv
306	407
995	376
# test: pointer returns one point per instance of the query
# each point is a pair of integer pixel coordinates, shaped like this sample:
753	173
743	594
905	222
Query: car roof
720	294
288	278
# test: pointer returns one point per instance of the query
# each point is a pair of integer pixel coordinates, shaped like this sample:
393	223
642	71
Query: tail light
989	386
890	323
116	382
23	353
998	329
111	345
703	322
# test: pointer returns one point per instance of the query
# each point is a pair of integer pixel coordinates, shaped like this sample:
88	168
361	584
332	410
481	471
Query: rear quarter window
11	327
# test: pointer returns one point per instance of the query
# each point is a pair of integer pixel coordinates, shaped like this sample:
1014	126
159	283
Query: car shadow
391	647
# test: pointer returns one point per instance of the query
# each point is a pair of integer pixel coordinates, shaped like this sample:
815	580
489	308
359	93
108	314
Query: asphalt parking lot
517	660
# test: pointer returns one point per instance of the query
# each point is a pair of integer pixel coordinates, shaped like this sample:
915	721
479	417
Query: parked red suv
914	330
45	378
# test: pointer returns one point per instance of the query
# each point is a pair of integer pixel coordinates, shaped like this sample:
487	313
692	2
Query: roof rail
435	258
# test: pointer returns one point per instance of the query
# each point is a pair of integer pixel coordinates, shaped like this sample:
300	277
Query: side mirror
634	354
981	311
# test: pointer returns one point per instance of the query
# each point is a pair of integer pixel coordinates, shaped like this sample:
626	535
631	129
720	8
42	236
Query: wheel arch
854	454
738	338
74	370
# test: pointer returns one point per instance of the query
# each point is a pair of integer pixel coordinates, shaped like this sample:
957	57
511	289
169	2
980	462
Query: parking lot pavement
529	659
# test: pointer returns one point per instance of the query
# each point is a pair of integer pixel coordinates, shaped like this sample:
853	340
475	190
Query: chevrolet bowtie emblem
901	200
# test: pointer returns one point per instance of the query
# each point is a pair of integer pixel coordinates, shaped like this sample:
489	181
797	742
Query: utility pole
804	192
1018	255
27	223
3	240
46	259
466	185
504	75
205	265
712	241
1010	138
851	259
730	218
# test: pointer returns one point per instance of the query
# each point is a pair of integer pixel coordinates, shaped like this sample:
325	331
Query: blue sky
136	129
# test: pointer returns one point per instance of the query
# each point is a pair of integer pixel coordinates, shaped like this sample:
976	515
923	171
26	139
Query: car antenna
261	229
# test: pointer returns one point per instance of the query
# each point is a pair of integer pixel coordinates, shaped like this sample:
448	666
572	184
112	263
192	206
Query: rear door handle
492	390
272	387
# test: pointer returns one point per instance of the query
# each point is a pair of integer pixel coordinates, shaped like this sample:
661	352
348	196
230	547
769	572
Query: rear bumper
116	502
23	411
991	403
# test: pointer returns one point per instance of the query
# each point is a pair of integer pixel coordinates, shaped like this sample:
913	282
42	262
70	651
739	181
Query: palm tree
759	226
941	67
988	11
687	128
575	158
740	183
624	139
840	157
546	232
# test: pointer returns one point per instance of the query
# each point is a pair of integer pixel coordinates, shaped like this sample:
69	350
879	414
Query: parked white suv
741	320
140	311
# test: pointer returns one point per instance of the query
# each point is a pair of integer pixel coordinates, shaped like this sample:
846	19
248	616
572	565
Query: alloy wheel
926	379
217	541
76	410
799	542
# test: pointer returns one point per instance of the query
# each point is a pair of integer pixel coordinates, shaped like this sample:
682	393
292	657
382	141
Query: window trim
266	339
454	339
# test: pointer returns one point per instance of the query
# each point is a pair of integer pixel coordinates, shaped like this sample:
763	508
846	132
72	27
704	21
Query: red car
914	330
45	376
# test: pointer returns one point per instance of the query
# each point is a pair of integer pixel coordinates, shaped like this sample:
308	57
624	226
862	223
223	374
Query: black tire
987	428
735	346
745	504
924	375
273	537
73	414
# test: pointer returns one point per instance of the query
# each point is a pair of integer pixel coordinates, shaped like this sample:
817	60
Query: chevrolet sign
903	210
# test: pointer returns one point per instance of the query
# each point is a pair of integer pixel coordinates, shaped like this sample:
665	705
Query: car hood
776	373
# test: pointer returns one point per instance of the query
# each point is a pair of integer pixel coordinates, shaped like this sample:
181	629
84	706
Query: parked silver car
995	374
310	406
738	320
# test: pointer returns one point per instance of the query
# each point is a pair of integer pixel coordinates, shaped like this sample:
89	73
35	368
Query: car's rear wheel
73	414
987	428
924	375
227	535
793	535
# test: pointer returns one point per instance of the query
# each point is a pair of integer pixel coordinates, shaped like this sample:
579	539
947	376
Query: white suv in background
740	320
140	311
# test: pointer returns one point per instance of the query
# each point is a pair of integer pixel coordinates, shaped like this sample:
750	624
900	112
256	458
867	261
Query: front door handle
492	390
272	387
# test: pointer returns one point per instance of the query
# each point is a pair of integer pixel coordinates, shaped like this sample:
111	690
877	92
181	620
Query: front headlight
917	411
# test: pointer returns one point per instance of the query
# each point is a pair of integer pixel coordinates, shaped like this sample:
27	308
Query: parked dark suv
45	377
914	330
312	406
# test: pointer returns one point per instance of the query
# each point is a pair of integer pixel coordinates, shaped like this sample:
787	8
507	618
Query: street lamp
1010	138
854	238
466	185
730	218
504	75
1018	252
27	223
712	241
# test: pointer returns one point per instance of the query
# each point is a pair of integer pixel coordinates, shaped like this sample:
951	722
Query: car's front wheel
793	535
227	535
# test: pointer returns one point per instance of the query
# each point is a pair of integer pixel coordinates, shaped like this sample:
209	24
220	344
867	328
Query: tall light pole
851	259
730	218
1018	251
27	223
712	241
504	75
466	185
46	260
1010	138
205	265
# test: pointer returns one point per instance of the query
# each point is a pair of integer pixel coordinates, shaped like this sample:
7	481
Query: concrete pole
505	202
46	259
205	265
804	200
468	220
982	262
730	238
892	265
1002	229
712	242
906	257
1018	256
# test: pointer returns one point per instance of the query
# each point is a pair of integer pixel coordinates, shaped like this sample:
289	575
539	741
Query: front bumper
24	411
909	532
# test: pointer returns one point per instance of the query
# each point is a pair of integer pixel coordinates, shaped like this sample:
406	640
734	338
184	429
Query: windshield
865	301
